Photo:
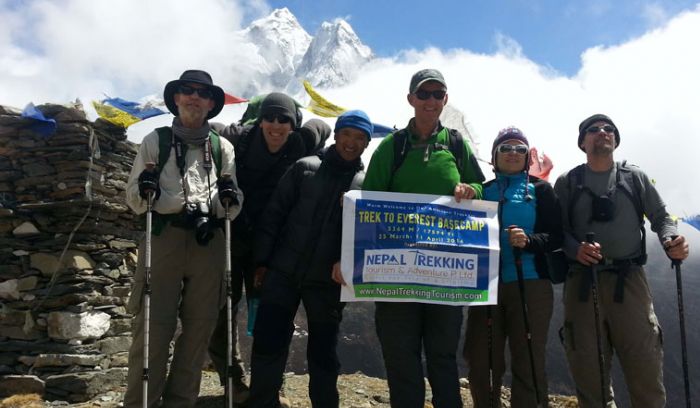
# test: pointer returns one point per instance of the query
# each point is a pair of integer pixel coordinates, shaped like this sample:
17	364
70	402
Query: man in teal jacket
427	165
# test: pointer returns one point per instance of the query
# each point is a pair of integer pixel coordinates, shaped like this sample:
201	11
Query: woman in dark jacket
530	222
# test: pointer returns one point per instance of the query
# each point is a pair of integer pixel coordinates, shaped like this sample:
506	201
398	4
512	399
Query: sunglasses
204	93
281	119
509	148
425	95
596	129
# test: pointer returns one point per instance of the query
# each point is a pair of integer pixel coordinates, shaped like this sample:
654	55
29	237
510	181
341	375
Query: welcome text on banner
419	248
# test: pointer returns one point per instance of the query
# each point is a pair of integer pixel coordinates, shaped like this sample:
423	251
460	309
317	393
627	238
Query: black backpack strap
165	138
456	146
401	148
575	182
628	184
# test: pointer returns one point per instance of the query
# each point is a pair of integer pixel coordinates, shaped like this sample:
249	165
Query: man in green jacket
428	166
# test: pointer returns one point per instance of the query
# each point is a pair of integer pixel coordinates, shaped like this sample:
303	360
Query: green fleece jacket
436	175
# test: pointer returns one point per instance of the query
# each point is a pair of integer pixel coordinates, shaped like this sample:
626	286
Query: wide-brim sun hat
194	76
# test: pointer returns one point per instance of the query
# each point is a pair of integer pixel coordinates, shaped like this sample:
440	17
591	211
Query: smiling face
600	142
428	110
350	143
193	109
275	133
513	161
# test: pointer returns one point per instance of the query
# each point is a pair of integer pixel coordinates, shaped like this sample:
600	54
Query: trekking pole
147	290
229	312
676	263
489	327
229	305
590	238
518	255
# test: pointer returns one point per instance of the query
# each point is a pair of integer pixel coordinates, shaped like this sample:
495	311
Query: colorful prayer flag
39	123
125	113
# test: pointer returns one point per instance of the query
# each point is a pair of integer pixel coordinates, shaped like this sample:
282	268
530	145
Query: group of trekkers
271	178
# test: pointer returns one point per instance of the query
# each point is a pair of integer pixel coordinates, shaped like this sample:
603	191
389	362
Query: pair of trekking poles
147	299
590	238
517	254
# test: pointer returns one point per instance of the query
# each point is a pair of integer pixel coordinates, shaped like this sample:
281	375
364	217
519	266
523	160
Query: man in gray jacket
610	199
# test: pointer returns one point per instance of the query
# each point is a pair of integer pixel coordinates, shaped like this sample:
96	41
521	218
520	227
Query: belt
619	266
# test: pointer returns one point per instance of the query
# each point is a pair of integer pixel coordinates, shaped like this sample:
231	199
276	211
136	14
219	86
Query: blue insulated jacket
529	204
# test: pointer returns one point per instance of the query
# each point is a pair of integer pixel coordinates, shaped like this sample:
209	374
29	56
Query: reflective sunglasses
425	95
281	119
204	93
509	148
596	129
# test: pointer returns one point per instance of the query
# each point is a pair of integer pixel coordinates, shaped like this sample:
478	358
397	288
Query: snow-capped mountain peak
334	56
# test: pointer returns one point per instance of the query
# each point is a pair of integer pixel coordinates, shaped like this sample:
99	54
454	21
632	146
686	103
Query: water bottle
253	304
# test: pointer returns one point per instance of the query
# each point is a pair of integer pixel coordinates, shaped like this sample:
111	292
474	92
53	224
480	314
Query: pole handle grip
590	237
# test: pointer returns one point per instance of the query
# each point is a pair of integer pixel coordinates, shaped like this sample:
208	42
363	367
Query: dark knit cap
598	117
280	104
509	133
355	119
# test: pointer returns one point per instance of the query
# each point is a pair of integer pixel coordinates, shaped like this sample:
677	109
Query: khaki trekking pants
508	325
630	330
186	282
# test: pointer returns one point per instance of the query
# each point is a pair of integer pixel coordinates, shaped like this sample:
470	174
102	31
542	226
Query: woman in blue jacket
530	222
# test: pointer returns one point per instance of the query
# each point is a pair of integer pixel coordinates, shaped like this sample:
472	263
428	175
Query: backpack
624	182
165	138
455	144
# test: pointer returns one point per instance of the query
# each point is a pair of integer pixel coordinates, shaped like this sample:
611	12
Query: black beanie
281	104
598	117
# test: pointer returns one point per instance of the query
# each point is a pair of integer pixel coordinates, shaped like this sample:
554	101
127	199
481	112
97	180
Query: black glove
148	183
227	191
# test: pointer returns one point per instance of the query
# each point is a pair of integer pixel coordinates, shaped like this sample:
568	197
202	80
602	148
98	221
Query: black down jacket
301	229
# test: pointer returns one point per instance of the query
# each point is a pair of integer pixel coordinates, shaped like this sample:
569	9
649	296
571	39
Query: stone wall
67	253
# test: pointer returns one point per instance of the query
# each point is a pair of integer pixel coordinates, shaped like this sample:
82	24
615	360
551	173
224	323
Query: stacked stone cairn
68	250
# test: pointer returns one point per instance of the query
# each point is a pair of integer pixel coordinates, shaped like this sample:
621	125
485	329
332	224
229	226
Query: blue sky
551	32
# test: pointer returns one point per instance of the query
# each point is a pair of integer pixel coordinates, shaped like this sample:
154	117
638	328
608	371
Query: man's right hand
589	253
148	184
259	276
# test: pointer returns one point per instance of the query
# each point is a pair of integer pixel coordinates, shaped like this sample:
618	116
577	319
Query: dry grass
22	401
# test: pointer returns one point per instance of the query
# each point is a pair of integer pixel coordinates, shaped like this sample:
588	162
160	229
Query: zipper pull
426	155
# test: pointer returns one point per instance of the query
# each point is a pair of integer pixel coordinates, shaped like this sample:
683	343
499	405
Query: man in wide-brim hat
188	193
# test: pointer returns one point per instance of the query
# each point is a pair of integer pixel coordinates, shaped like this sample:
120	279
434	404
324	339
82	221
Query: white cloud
56	51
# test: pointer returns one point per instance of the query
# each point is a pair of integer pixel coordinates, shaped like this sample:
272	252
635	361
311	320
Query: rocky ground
356	391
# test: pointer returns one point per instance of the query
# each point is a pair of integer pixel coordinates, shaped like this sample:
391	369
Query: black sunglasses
425	95
281	119
507	148
204	93
596	129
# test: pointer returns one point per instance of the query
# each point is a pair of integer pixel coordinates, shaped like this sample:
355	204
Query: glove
148	183
227	190
259	276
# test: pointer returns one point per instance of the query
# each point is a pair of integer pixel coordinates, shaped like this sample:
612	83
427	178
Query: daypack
624	181
455	144
165	137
